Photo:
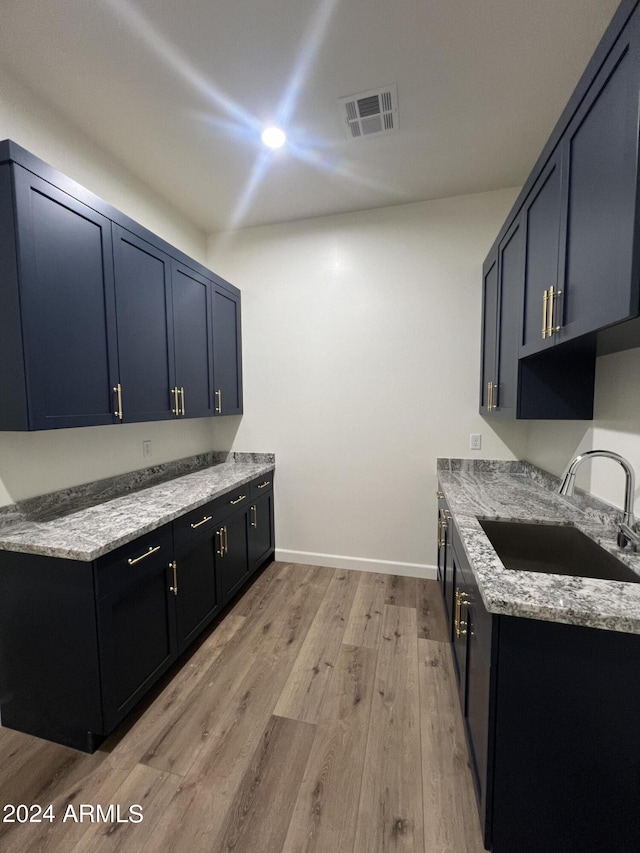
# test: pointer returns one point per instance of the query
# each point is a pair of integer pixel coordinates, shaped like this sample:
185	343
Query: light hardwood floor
320	715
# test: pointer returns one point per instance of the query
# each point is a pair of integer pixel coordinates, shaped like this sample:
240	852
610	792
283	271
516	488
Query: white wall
361	345
35	463
33	124
616	426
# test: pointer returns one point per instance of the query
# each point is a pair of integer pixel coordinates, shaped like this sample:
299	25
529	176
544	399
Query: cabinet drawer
126	565
261	485
194	524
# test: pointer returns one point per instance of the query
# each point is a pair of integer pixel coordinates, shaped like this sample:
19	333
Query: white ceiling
176	91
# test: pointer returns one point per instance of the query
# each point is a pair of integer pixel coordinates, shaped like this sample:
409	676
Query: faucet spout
626	530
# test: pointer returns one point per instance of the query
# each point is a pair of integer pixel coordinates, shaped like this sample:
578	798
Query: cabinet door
232	564
68	310
600	148
197	597
137	637
542	245
193	340
449	578
510	274
261	535
227	352
478	699
459	632
145	328
489	332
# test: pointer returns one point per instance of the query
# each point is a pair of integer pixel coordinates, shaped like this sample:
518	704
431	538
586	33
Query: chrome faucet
627	533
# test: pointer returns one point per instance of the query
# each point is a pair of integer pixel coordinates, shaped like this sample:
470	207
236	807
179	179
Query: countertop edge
587	602
89	554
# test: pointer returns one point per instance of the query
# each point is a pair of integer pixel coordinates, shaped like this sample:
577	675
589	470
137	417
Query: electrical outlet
146	448
475	441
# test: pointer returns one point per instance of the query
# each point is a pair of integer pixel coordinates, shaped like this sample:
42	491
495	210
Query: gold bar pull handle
174	589
459	626
176	403
254	514
555	328
220	551
117	390
489	396
226	540
265	484
200	523
133	560
238	500
182	398
219	402
550	311
545	299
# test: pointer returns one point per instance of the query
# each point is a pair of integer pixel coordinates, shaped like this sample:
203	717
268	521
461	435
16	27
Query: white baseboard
334	561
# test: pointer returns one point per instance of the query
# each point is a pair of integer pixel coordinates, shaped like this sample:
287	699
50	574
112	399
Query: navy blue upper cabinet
581	241
101	321
580	214
227	352
193	341
145	328
600	189
488	376
542	235
57	325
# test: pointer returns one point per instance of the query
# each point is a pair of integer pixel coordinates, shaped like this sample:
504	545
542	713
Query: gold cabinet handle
238	500
226	540
117	390
489	396
254	513
265	484
219	402
219	534
133	560
200	523
554	296
176	402
550	312
459	625
182	398
174	589
545	299
439	495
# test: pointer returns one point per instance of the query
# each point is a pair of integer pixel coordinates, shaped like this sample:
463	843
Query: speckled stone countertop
86	522
518	491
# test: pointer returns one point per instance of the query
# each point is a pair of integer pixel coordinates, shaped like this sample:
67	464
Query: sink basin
553	549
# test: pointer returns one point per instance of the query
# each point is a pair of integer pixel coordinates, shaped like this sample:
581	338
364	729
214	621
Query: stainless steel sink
553	549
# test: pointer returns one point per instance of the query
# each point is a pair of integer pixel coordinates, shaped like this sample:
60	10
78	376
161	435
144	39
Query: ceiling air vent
370	113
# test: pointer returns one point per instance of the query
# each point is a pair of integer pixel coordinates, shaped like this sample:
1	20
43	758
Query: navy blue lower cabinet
232	558
195	583
136	621
260	531
550	717
81	643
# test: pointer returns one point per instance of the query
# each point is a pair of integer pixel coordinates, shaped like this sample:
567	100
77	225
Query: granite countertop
519	491
86	522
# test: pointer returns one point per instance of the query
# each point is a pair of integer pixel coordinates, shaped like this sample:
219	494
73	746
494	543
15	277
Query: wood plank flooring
320	716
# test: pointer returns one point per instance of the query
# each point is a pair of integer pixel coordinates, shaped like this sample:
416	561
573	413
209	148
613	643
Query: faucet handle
628	536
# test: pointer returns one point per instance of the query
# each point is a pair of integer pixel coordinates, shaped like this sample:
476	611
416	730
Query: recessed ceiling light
273	137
